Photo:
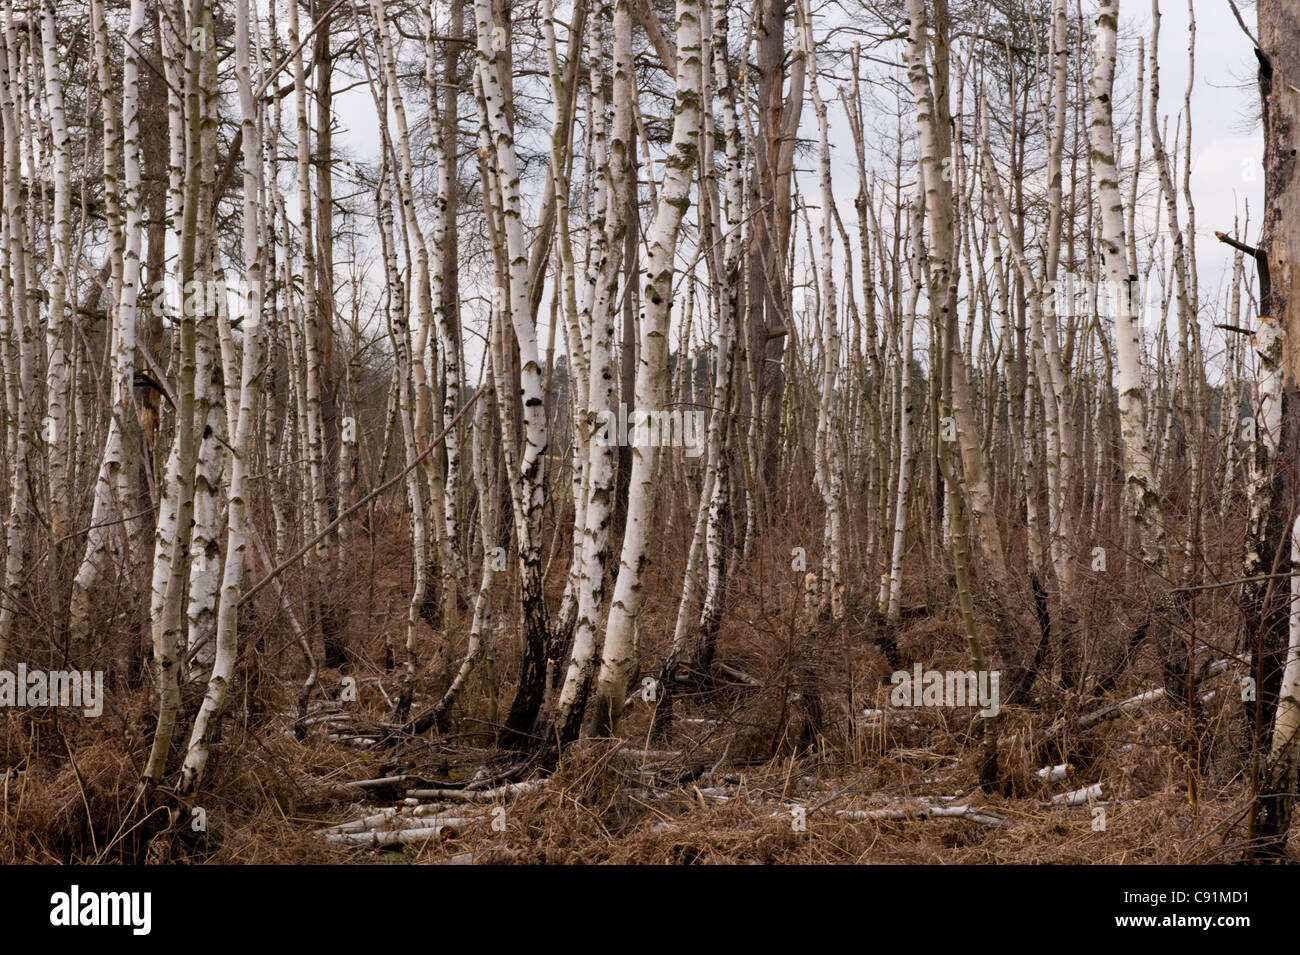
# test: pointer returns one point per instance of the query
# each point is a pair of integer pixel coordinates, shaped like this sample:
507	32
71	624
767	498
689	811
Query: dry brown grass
608	802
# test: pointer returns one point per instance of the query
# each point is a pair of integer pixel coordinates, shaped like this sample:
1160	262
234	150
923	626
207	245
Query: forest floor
737	778
881	786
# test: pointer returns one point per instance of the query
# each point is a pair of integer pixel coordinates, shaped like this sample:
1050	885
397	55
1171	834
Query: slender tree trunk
652	370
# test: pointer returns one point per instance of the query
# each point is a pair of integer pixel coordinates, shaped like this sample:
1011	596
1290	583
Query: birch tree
514	302
1142	497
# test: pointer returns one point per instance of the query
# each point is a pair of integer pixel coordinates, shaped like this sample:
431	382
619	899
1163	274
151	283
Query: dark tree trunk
1267	603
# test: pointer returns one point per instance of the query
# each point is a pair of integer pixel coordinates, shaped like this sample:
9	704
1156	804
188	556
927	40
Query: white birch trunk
56	374
652	368
603	272
1121	290
196	754
111	478
515	304
829	467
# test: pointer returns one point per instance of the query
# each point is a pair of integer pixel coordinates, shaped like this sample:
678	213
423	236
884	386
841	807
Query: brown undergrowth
745	753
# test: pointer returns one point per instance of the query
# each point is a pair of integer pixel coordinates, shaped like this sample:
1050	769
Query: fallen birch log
739	675
973	813
393	837
1127	705
479	795
1079	797
1107	712
393	818
381	782
1055	773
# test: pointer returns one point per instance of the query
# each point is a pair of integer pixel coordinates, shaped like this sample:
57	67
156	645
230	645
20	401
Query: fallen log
1127	705
393	837
479	795
1079	797
393	818
381	782
973	813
